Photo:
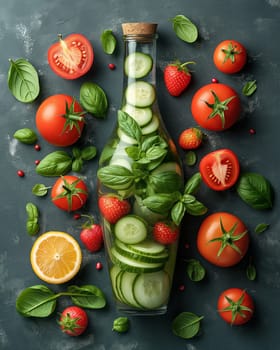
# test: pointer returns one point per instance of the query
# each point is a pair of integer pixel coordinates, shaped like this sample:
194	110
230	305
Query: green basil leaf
93	99
77	165
193	184
260	228
255	190
166	182
88	152
121	324
153	141
23	80
129	126
195	270
249	88
87	296
184	29
178	212
108	41
40	190
251	272
26	136
36	301
190	158
55	164
155	152
32	210
162	202
32	226
186	325
133	152
76	152
116	177
195	208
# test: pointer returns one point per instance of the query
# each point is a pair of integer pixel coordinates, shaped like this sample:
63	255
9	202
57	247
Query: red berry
99	265
37	161
113	208
37	147
111	66
252	131
181	288
77	216
164	233
214	80
176	77
190	138
92	237
73	321
20	173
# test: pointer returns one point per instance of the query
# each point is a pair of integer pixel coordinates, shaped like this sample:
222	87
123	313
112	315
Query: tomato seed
20	173
99	265
215	80
111	66
37	147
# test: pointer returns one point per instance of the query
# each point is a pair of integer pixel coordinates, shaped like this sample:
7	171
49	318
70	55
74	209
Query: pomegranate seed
252	131
99	265
111	66
181	288
37	161
37	147
187	245
214	80
20	173
77	216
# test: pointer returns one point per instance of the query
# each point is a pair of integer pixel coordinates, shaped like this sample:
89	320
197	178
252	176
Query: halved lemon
56	257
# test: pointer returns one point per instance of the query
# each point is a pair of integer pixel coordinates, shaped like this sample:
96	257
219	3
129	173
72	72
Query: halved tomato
72	57
220	169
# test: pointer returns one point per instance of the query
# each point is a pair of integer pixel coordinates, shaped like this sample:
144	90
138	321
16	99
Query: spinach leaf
23	80
108	41
40	190
186	325
195	270
184	28
260	228
93	99
87	296
255	190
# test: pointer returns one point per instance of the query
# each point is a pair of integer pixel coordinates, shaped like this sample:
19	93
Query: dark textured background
27	28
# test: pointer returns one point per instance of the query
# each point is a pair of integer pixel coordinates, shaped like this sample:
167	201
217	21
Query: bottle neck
145	44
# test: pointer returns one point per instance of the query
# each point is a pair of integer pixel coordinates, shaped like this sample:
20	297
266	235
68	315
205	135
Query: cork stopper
139	28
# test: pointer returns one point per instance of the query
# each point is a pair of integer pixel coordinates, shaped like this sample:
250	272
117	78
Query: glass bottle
139	176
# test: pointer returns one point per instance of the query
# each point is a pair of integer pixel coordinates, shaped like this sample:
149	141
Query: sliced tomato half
71	57
220	169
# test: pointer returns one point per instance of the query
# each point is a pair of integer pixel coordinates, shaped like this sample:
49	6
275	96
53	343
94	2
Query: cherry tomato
73	321
60	121
72	57
235	306
222	239
230	56
69	193
220	169
216	106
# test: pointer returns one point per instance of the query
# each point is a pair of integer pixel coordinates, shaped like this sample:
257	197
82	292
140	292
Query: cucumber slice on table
138	65
141	115
140	94
151	290
130	229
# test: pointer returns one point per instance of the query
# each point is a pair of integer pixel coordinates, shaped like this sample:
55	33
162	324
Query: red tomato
216	106
222	239
72	57
69	193
73	321
235	306
230	56
60	121
220	169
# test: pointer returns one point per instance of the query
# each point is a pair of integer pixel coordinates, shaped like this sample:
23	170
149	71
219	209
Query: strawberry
73	320
165	233
92	236
177	77
190	138
113	208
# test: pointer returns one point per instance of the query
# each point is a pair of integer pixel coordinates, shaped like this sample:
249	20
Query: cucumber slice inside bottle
140	94
131	229
138	65
141	115
151	127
